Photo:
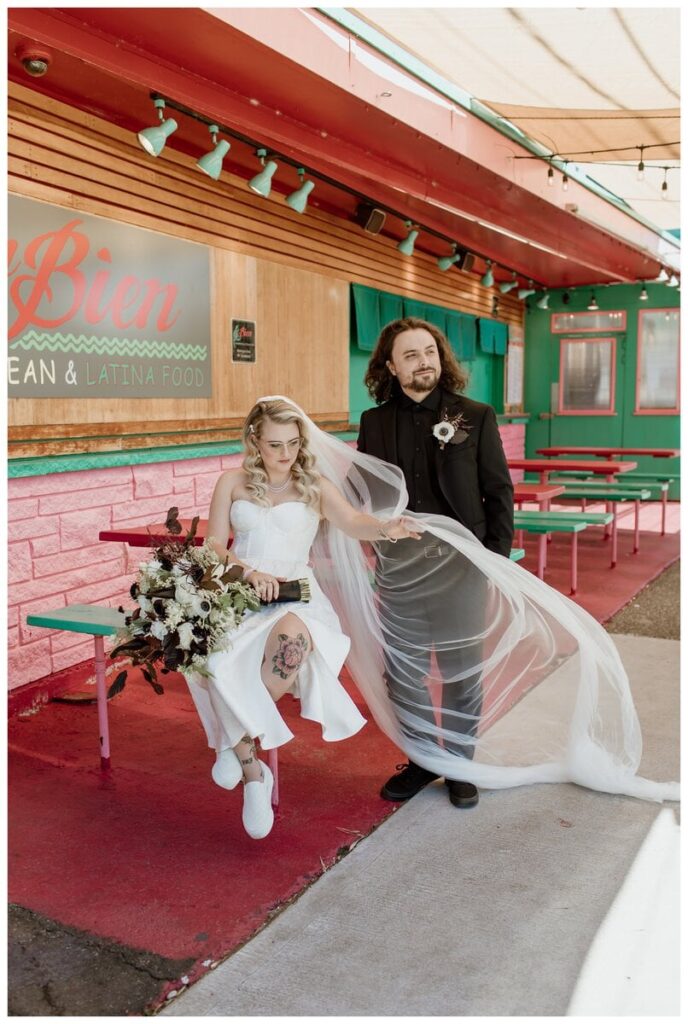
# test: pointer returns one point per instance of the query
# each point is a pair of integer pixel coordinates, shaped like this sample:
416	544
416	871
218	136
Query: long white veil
474	667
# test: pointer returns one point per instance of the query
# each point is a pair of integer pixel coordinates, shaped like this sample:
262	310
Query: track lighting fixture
297	200
543	301
153	139
507	286
211	163
406	246
487	280
593	302
263	180
643	293
445	262
523	293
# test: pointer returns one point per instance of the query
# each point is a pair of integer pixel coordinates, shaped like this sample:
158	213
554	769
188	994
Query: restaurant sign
100	309
243	341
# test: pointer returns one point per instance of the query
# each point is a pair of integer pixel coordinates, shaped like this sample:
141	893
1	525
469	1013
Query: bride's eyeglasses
290	447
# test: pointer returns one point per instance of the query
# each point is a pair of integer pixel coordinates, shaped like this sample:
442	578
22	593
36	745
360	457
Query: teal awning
493	336
372	309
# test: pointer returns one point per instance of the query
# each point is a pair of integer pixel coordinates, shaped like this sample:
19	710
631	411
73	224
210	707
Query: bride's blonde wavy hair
304	474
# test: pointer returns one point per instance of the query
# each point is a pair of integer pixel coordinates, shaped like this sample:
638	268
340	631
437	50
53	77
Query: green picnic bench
101	621
546	522
611	494
657	483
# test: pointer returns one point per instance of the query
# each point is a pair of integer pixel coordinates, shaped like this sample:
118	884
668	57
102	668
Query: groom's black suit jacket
473	475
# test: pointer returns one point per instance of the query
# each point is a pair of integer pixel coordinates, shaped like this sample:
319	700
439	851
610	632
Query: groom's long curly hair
382	385
304	474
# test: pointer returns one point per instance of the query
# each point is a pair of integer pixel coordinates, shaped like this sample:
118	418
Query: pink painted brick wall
514	441
55	557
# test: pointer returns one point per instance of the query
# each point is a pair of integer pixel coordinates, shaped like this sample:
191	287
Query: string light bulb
593	302
641	165
643	294
665	186
550	176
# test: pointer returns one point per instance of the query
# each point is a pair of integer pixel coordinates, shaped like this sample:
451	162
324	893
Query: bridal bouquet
187	602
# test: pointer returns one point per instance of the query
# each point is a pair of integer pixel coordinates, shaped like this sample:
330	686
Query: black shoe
462	794
407	783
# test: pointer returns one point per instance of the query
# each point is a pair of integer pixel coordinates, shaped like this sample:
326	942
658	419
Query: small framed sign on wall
243	341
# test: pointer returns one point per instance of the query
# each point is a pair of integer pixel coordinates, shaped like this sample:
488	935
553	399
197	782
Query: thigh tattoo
289	655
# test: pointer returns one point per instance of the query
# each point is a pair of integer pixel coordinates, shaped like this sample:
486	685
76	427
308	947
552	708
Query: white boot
257	815
226	771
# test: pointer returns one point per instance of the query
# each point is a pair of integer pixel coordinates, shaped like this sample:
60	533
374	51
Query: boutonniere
451	430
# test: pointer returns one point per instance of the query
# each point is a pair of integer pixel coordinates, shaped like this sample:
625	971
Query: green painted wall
542	371
485	384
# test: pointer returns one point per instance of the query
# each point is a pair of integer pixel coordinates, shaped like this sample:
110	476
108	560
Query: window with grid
587	375
658	354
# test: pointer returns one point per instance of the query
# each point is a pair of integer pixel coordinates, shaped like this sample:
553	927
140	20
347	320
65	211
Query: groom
459	471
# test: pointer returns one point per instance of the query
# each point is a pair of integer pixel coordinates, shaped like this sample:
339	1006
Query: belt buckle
433	550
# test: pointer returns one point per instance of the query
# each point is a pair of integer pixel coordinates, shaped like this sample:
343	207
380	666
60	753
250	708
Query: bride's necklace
280	487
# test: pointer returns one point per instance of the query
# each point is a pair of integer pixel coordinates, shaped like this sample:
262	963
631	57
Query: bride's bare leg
245	750
286	650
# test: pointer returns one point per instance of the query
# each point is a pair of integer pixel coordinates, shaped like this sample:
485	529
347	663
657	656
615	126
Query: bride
275	504
553	696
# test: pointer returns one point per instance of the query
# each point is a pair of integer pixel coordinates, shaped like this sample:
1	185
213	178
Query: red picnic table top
528	490
609	452
544	467
153	536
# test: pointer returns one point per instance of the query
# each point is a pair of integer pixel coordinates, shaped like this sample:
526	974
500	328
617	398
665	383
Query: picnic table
608	468
607	452
153	536
540	493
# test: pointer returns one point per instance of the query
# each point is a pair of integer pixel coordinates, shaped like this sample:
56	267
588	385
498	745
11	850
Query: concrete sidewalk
442	912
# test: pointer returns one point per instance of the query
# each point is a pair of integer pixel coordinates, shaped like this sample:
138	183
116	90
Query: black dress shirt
416	453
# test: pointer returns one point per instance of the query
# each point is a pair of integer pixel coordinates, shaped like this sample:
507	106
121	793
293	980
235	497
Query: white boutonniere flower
443	431
451	430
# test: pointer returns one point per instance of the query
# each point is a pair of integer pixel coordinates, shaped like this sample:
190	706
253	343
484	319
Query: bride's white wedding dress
234	702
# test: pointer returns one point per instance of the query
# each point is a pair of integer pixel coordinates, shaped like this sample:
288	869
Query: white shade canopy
573	79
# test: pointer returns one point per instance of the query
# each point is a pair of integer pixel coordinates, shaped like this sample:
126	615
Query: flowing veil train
544	696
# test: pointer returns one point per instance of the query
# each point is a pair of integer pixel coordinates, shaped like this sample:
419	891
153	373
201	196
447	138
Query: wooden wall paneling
291	271
258	211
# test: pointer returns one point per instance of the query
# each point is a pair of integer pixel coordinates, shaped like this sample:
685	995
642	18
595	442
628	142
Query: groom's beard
421	383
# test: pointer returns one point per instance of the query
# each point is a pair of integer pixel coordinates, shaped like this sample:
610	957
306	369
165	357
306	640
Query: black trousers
432	601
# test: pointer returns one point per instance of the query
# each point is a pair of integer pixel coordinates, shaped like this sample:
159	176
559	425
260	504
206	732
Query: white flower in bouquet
185	633
158	629
144	604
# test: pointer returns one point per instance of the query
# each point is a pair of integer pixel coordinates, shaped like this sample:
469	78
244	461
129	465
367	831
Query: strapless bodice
276	539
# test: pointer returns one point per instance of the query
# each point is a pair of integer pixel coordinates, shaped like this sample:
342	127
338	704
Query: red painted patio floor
153	855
